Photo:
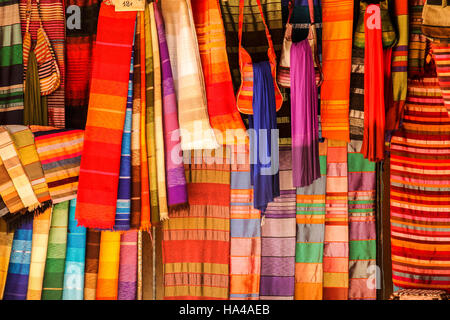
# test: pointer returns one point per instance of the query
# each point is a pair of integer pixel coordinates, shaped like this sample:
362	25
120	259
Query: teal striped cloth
75	258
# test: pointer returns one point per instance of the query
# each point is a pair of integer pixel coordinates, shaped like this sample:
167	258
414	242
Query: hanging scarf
79	48
100	164
305	131
196	132
263	145
196	247
128	265
150	126
6	241
176	180
91	263
140	267
335	249
310	235
223	114
11	81
419	190
24	142
60	154
145	187
19	178
335	92
245	231
395	109
52	286
441	55
374	112
52	17
163	212
19	263
123	207
8	192
362	228
356	115
278	236
108	266
39	246
136	184
75	258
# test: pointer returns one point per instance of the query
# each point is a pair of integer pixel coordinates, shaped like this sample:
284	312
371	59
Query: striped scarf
39	246
278	238
100	164
196	132
6	241
176	180
128	266
108	266
335	91
11	70
91	263
60	154
356	109
53	283
417	42
123	207
310	218
75	258
79	44
10	200
223	114
245	231
19	264
52	14
419	191
441	55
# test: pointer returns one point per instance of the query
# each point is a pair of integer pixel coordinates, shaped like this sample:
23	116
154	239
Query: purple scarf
304	119
176	179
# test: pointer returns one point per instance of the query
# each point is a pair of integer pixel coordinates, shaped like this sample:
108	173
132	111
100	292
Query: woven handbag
48	70
245	93
436	19
419	294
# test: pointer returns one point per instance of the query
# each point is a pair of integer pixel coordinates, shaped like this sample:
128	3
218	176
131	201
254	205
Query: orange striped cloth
335	251
196	242
441	55
99	169
223	114
337	19
108	266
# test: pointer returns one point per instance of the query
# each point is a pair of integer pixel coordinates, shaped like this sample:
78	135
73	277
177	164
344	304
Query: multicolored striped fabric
19	263
52	17
139	267
356	109
10	200
189	83
81	30
254	39
108	266
223	114
128	266
419	193
441	56
310	235
337	34
75	257
100	164
16	171
361	224
335	250
176	180
91	263
60	154
123	206
11	64
53	283
136	168
399	68
196	242
417	42
245	230
6	241
278	234
39	246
